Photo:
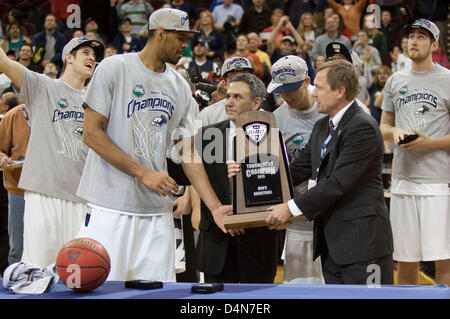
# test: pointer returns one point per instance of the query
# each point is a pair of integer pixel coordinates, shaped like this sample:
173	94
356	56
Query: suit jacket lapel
342	123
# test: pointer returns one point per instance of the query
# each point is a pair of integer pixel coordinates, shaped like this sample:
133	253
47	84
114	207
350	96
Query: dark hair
26	44
12	101
257	87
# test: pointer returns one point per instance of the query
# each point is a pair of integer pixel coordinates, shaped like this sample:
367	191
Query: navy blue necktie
327	140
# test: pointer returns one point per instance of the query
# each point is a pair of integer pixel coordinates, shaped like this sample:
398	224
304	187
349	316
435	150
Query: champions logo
152	104
238	63
426	98
283	72
76	116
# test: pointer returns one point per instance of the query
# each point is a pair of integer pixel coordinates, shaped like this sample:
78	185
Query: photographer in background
227	15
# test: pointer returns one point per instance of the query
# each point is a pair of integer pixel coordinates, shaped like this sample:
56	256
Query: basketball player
417	101
56	154
134	104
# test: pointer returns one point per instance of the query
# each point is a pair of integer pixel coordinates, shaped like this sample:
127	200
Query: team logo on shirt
78	131
63	103
298	139
139	90
422	110
403	90
159	121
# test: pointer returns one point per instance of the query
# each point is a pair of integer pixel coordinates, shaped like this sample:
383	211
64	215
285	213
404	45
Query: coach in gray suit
345	198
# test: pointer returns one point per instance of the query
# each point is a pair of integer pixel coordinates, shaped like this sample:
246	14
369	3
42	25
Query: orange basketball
83	264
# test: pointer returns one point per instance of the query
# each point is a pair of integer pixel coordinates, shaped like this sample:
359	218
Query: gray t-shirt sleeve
101	88
187	120
388	103
33	85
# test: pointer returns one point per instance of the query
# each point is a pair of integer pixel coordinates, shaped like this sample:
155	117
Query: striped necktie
327	140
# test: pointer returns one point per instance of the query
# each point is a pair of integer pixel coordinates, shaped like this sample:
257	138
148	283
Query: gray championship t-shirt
56	153
421	101
143	109
296	127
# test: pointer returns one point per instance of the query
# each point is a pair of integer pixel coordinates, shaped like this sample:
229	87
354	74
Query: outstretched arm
11	68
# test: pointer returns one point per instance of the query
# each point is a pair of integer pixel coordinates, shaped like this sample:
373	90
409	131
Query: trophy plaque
264	179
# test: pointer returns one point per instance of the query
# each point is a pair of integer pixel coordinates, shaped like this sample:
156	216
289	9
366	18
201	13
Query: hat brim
283	88
97	46
408	28
187	31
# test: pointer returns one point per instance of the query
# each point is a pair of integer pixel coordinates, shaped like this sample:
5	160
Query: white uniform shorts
299	267
139	247
420	227
49	224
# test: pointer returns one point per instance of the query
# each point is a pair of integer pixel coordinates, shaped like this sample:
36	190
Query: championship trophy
264	179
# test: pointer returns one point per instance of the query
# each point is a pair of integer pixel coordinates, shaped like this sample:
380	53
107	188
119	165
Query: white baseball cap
288	74
169	19
426	25
83	41
236	63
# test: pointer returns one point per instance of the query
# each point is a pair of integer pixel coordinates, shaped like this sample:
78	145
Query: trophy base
251	220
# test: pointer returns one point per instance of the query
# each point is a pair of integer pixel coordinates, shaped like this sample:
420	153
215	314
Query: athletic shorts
420	227
139	247
299	267
49	224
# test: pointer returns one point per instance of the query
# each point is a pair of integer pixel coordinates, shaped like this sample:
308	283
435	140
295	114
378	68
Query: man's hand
236	231
233	168
219	215
182	205
280	217
423	142
398	134
159	182
5	161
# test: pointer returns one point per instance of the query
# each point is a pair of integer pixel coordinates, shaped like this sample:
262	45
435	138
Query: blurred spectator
307	30
391	30
440	56
242	50
5	81
137	10
51	70
188	8
91	26
26	58
110	50
16	15
207	67
78	33
124	41
49	43
227	15
341	26
332	35
14	132
288	42
320	59
275	20
366	52
59	9
382	74
376	37
254	43
400	58
297	8
14	38
214	38
350	12
327	13
256	18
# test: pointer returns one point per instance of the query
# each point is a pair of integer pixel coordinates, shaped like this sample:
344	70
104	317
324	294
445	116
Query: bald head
8	101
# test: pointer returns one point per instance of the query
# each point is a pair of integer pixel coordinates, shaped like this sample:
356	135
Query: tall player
134	104
417	101
56	154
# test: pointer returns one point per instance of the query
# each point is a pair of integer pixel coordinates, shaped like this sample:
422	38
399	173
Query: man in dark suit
343	161
252	256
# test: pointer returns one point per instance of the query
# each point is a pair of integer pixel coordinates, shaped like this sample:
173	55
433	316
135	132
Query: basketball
83	264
